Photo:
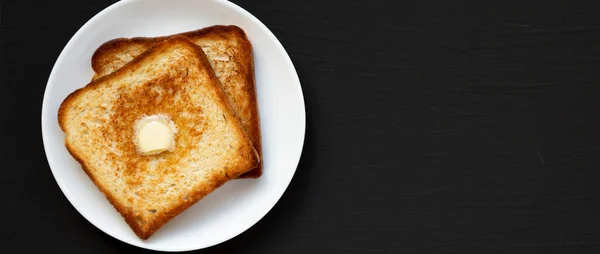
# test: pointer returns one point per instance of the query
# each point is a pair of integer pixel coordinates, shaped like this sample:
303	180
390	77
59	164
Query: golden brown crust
248	155
103	57
253	129
108	48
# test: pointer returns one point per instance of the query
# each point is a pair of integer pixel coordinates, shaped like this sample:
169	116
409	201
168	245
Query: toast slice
230	54
172	79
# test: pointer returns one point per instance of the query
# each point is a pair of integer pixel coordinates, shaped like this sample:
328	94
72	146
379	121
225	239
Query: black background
432	127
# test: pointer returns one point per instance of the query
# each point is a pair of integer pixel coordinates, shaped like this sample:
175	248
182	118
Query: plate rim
52	163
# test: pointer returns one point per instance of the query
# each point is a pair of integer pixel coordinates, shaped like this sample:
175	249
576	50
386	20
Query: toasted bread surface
173	78
230	54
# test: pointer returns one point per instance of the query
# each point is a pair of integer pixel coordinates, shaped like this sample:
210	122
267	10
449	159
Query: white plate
237	205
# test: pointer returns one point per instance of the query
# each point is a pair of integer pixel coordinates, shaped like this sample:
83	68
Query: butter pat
154	134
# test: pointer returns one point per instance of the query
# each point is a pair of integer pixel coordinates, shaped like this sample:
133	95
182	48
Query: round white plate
237	205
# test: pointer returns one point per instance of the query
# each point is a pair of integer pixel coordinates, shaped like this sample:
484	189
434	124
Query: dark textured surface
433	127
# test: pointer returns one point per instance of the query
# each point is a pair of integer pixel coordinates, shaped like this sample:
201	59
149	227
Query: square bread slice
230	54
173	79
